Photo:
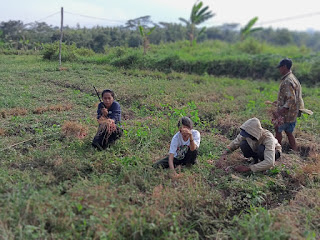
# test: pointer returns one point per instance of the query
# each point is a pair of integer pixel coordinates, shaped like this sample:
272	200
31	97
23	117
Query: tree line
16	35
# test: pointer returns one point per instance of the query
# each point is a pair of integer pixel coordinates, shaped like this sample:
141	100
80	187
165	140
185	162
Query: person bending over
183	148
109	118
255	142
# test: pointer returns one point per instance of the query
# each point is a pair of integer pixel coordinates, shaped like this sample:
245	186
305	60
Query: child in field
183	148
109	117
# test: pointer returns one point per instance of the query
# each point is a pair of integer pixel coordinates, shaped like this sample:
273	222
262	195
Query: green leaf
141	31
202	30
185	21
151	30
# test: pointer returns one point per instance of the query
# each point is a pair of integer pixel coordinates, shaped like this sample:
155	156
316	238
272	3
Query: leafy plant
145	38
199	14
257	224
248	29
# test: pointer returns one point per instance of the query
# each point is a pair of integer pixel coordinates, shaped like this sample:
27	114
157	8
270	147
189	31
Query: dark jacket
114	112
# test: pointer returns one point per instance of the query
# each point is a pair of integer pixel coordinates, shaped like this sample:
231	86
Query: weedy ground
54	185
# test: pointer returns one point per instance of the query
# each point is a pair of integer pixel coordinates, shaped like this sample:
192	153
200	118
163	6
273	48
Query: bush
247	59
127	61
85	52
251	46
68	52
51	51
118	51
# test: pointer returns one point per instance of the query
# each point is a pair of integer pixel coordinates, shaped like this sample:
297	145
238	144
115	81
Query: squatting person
255	142
183	148
109	118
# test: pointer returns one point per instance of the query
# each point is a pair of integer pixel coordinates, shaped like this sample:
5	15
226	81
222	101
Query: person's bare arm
193	146
171	166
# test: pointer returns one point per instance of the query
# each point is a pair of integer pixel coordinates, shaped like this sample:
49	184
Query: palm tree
248	29
198	16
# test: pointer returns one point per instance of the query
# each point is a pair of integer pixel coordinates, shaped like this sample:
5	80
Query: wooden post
60	36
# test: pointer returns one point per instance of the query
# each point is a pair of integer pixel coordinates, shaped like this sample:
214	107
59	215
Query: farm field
54	185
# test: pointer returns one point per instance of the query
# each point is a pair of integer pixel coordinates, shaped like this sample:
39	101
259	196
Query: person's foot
291	151
97	146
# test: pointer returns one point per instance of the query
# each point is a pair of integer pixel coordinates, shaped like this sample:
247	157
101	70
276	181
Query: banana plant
145	38
199	14
249	29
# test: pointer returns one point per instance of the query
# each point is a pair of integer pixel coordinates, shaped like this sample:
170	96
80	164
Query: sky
295	15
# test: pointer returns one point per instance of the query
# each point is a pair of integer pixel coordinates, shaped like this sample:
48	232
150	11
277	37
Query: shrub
118	51
68	52
85	52
251	46
127	61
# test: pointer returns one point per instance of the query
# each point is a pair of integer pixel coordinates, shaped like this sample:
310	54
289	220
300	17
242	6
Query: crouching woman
183	148
109	118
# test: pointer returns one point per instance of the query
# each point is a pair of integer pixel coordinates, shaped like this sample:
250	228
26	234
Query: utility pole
60	36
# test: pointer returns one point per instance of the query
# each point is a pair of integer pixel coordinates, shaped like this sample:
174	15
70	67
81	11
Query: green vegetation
199	14
246	59
17	37
145	38
248	29
54	186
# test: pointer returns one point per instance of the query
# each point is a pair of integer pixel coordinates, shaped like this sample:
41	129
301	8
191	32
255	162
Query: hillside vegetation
247	59
54	185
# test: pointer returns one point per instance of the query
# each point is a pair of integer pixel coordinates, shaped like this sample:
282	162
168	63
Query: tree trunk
191	34
145	45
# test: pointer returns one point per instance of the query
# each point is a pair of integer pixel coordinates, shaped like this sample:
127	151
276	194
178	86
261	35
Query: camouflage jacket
290	97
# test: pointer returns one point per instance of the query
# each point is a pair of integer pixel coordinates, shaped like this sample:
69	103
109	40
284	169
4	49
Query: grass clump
55	108
13	112
258	224
74	129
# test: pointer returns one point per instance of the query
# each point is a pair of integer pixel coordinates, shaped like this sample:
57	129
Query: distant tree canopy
17	35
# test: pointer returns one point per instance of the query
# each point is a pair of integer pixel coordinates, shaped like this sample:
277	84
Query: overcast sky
300	15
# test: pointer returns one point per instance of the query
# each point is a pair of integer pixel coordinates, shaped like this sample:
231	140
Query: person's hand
185	132
111	125
277	119
242	169
176	176
104	111
173	174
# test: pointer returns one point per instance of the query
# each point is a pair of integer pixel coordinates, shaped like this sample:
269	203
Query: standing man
288	103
